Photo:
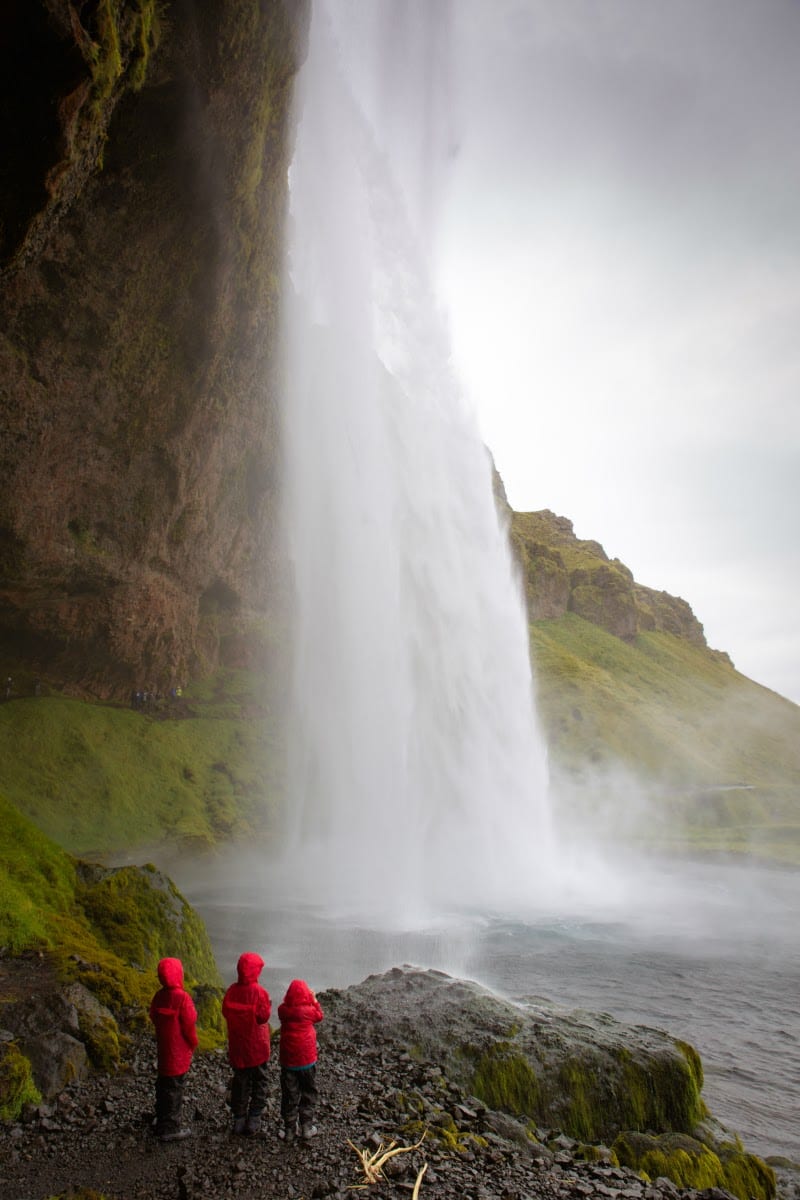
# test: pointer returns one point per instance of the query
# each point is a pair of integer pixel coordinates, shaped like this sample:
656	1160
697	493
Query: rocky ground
97	1135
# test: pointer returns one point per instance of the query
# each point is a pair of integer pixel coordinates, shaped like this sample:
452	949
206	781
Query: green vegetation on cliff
651	734
100	779
664	726
104	929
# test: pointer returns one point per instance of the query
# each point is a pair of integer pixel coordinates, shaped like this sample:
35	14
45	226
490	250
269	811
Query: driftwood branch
373	1163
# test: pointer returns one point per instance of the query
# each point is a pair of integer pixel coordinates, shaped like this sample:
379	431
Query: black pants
298	1095
169	1101
249	1090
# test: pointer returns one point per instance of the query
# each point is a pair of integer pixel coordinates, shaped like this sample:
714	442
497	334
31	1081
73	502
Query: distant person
246	1009
173	1013
8	688
298	1014
37	687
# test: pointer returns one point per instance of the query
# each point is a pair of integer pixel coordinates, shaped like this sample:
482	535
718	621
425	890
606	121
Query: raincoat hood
249	967
298	992
170	972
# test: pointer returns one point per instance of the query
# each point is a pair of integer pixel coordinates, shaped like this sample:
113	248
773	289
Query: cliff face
140	222
562	573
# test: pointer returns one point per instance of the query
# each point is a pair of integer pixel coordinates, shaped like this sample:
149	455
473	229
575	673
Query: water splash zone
417	779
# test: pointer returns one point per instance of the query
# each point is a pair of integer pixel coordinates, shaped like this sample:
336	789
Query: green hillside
663	740
102	779
105	928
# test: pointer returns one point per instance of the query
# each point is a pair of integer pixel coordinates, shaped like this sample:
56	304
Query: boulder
584	1073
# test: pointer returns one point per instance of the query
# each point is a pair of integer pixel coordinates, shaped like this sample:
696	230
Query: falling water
416	772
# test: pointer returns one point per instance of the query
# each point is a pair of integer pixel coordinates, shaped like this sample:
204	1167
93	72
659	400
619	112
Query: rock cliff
141	210
562	573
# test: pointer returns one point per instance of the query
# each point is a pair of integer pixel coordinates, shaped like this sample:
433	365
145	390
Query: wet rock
56	1059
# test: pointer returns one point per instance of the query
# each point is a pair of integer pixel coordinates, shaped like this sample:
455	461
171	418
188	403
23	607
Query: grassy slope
102	779
94	926
661	739
716	755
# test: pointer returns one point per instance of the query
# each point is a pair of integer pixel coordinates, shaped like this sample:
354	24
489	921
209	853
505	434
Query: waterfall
416	775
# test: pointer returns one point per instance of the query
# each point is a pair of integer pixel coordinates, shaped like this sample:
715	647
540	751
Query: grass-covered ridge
105	928
101	779
716	755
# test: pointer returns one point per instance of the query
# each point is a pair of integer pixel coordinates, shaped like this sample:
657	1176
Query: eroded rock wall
138	317
562	573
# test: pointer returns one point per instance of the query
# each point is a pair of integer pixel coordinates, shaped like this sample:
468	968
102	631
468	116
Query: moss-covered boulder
86	942
581	1072
636	1090
691	1164
211	1028
139	914
16	1082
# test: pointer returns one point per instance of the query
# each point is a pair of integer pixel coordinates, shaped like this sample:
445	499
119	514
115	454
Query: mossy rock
99	1031
505	1080
690	1164
211	1029
594	1152
16	1082
592	1093
583	1073
141	916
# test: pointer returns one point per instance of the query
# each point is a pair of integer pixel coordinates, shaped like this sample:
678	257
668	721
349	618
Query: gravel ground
98	1135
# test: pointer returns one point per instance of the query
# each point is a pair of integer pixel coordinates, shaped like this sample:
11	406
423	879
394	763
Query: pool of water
709	953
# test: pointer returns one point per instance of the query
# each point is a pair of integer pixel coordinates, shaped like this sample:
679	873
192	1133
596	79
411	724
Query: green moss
745	1174
103	1042
95	924
36	877
581	1092
16	1082
503	1079
79	956
665	709
443	1129
593	1152
148	35
664	1094
211	1029
99	778
140	915
690	1164
123	33
106	59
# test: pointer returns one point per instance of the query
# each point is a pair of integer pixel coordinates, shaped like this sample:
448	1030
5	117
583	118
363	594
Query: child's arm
263	1007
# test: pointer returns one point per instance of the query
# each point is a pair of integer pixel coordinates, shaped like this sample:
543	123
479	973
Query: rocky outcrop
374	1092
64	68
141	232
581	1072
562	573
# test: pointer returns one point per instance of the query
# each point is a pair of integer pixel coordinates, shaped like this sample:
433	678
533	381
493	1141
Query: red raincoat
173	1013
299	1013
246	1009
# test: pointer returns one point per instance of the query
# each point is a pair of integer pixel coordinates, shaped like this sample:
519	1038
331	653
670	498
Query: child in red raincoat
246	1009
299	1013
173	1014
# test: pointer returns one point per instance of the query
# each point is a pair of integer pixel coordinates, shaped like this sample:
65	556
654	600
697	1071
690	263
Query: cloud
620	256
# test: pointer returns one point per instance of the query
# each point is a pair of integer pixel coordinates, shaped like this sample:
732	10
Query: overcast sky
619	252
